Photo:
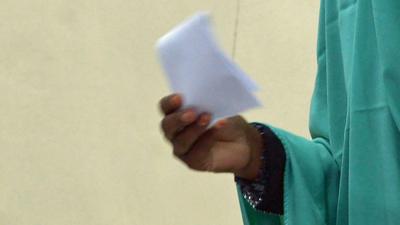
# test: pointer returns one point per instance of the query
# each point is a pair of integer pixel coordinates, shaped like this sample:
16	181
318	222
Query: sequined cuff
265	193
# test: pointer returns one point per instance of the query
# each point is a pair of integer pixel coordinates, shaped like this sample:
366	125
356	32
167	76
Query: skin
230	146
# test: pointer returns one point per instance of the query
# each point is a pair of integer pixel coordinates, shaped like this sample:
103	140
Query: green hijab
349	173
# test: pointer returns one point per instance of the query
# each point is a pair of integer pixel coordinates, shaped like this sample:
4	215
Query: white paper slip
197	68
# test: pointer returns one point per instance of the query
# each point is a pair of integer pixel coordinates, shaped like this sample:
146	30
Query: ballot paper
197	68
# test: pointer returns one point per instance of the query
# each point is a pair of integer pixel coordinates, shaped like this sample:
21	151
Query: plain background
79	123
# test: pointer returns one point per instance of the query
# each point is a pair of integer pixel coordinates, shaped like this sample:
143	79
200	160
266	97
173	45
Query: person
348	173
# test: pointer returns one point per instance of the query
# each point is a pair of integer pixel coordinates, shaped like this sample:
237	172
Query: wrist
265	193
256	146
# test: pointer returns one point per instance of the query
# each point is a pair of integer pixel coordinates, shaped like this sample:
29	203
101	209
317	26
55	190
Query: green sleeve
357	90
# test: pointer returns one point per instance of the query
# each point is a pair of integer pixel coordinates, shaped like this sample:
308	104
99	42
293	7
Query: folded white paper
198	69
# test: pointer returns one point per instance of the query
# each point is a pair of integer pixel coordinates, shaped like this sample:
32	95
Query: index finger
170	103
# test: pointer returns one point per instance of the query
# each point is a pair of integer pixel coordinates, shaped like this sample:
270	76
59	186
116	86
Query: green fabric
349	173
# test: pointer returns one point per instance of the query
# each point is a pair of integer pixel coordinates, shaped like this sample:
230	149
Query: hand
231	145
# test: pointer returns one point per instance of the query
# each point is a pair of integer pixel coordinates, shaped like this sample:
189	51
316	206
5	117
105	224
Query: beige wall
79	85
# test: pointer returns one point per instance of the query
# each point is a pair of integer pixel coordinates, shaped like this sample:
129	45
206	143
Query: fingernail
188	116
175	100
220	123
204	120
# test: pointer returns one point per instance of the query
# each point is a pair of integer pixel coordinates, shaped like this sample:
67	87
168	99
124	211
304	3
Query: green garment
349	173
